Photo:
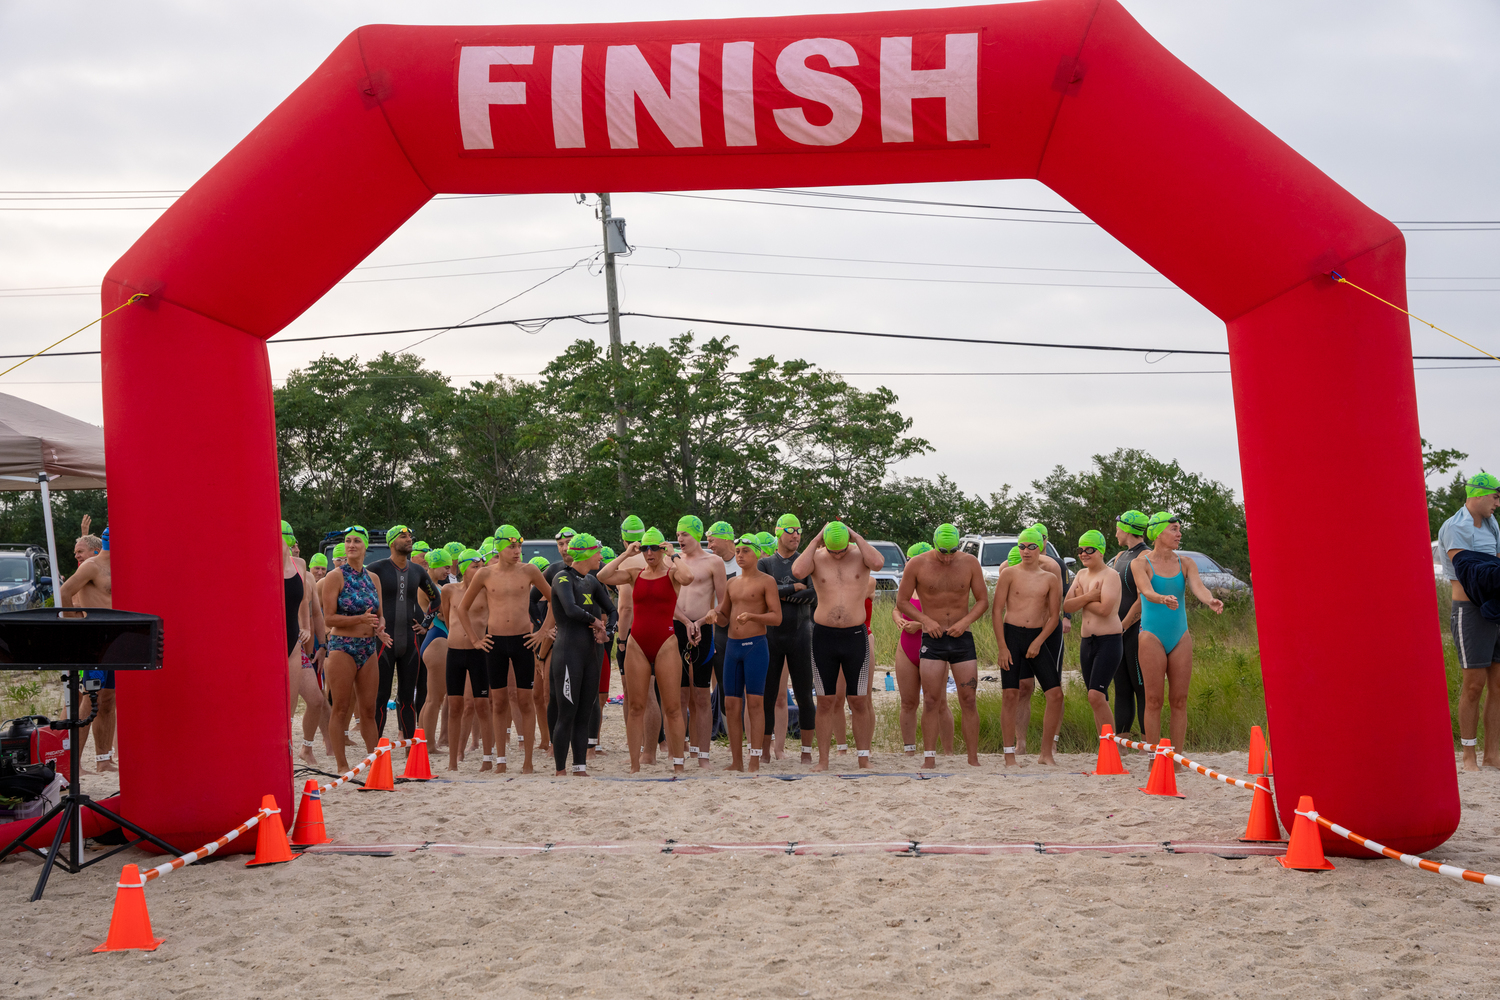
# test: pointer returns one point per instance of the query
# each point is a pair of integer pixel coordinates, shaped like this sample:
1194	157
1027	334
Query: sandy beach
634	900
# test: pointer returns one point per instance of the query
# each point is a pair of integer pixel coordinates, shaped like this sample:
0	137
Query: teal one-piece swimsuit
1166	624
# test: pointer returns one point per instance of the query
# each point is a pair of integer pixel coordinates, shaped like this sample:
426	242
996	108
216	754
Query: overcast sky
1396	101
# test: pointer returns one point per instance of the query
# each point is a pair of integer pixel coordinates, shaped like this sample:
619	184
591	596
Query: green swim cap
1158	523
1481	485
768	540
721	530
1041	529
632	528
787	522
1014	559
608	553
1092	539
836	536
318	561
583	546
455	549
1033	537
338	551
652	536
1134	522
391	533
360	531
946	538
692	524
286	530
917	549
748	541
540	562
421	547
438	557
564	533
507	535
467	557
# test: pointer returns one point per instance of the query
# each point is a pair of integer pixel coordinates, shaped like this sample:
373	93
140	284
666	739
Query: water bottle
890	682
390	706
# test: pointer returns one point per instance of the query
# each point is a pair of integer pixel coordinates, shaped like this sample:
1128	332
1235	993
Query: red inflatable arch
1073	93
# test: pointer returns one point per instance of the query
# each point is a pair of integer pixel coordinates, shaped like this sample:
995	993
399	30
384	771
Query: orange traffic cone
130	924
1263	826
1260	761
1163	779
418	767
1109	754
309	828
380	779
271	845
1305	852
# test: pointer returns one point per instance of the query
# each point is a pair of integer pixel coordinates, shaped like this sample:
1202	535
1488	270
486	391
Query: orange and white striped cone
1263	827
309	829
130	924
418	767
1305	851
1109	754
381	778
271	846
1163	779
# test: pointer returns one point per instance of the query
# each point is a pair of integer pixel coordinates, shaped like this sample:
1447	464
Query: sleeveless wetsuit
355	598
654	601
292	585
1161	621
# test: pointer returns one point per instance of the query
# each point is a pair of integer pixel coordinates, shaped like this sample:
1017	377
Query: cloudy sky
1396	101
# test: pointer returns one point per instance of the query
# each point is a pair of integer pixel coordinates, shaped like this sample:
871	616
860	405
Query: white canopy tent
41	449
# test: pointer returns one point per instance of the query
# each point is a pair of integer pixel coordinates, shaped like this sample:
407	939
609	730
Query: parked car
994	550
888	577
1214	576
544	547
25	578
1437	563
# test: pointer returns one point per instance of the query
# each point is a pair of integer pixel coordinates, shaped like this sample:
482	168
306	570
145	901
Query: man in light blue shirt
1473	527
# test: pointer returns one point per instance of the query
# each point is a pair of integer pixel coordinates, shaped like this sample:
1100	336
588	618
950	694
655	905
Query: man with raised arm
1028	603
840	563
695	602
92	587
944	580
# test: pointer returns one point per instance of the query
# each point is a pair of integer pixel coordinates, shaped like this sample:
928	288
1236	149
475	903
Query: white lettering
839	95
567	96
476	92
957	84
627	76
739	93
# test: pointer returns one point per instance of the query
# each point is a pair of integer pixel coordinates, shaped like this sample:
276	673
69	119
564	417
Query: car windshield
1205	564
894	559
15	569
995	553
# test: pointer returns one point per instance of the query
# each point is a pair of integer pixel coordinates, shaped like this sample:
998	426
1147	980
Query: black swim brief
949	648
1018	639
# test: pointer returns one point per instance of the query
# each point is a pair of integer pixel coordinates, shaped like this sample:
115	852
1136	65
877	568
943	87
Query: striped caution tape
1149	747
370	759
205	850
1209	772
1410	860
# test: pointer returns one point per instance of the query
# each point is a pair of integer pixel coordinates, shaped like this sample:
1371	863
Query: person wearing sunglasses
839	563
1028	604
943	583
1163	578
351	607
790	643
1096	593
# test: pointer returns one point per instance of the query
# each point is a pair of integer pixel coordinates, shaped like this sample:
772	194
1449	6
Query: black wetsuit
576	658
1130	688
401	661
790	644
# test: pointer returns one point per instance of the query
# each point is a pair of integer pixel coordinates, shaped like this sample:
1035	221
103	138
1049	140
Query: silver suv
993	550
888	577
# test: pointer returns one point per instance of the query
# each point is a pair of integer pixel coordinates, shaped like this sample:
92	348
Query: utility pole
614	236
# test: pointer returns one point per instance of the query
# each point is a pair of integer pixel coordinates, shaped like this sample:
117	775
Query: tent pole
41	478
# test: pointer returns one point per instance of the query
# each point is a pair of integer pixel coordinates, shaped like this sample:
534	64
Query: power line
884	277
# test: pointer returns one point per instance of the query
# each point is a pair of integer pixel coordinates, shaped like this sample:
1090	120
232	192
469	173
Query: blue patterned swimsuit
357	596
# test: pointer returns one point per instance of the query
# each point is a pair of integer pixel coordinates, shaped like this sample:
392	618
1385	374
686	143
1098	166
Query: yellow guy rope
1345	281
133	298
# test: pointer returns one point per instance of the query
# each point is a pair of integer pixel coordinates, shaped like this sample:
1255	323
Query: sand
629	920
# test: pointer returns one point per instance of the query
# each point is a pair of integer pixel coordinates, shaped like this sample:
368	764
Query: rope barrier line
1149	747
122	305
902	848
1340	279
204	851
369	759
1410	860
1208	772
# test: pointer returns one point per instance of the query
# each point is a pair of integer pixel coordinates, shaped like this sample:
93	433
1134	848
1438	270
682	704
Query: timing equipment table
74	641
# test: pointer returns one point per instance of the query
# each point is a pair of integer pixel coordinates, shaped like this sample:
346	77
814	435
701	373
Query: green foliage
1448	497
21	519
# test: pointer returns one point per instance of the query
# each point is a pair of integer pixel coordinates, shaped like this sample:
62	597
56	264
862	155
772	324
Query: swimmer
92	586
1096	593
751	603
318	566
695	602
466	677
1028	603
351	606
790	643
1051	650
586	618
908	674
434	651
409	600
305	631
652	645
419	552
839	564
1473	528
945	580
1130	688
340	556
1163	577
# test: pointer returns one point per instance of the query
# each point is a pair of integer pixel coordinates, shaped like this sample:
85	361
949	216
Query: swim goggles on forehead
356	529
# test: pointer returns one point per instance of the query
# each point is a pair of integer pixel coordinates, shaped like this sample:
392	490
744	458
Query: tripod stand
69	811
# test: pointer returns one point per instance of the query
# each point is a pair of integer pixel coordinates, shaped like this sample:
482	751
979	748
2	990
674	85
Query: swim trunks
467	663
841	650
948	648
1475	636
697	661
745	664
1018	640
1099	656
505	652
